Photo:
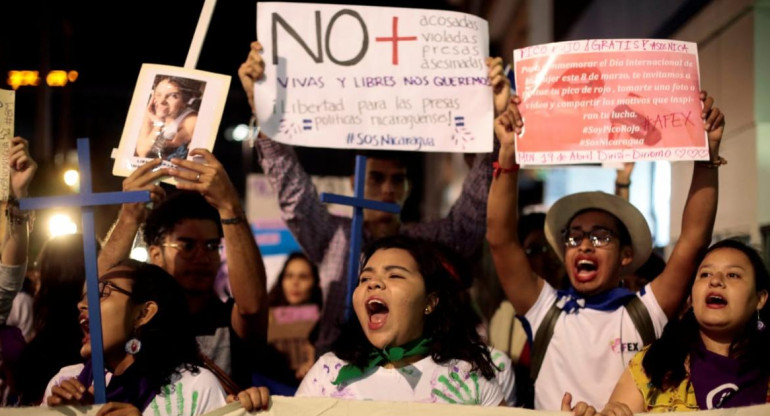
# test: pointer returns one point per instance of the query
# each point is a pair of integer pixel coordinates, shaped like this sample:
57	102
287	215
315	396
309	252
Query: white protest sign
314	406
7	114
374	78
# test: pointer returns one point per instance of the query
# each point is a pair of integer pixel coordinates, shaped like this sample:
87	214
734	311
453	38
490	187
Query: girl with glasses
149	348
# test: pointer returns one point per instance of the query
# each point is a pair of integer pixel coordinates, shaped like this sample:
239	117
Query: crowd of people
593	322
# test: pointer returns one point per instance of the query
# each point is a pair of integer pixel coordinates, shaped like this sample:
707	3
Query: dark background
107	42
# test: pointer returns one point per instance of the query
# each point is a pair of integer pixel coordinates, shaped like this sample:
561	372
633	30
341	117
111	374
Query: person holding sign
183	234
13	251
13	257
411	338
588	333
325	237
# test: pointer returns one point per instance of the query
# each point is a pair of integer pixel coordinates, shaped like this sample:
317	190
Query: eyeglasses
187	247
105	289
599	237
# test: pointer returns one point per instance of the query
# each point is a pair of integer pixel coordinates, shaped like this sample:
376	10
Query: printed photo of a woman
170	118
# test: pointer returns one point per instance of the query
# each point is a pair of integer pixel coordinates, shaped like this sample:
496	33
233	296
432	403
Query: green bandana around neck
419	346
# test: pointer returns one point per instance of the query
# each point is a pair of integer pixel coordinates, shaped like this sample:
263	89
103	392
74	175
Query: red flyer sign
609	100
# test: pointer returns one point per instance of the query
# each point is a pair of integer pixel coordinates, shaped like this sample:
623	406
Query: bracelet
499	169
622	185
232	221
711	164
15	218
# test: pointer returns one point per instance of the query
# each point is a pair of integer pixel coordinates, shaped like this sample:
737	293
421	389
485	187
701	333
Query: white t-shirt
423	381
505	376
190	395
588	351
21	315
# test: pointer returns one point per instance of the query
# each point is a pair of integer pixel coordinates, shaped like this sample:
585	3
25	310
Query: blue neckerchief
571	301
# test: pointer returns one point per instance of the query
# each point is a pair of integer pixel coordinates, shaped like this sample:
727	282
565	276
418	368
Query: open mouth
84	327
715	301
377	310
585	269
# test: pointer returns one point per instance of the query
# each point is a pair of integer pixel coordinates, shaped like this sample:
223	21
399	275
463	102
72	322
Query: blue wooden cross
356	229
87	200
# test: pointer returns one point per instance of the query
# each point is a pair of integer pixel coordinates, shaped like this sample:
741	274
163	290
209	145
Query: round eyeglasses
599	237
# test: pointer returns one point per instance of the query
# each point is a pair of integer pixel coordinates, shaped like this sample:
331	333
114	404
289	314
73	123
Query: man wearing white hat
587	334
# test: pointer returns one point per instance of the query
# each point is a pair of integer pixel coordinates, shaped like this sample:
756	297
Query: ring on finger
198	178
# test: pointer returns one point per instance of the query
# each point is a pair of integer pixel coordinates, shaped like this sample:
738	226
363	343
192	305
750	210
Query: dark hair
450	325
651	268
62	275
276	297
190	89
404	159
58	336
168	340
529	223
182	205
625	236
665	360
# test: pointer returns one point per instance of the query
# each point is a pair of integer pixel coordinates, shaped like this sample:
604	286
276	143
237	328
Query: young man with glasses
183	234
588	329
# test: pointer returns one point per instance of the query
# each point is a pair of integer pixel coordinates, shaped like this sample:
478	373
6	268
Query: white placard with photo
173	110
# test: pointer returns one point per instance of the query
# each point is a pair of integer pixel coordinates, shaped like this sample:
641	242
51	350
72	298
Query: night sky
107	42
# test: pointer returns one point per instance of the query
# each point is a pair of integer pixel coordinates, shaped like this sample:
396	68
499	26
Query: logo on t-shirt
718	394
618	346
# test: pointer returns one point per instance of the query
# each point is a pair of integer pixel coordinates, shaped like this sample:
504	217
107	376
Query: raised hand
714	123
508	126
252	70
23	167
144	178
209	179
624	173
501	87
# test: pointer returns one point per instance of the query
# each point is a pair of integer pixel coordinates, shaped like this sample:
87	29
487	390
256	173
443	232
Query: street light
61	224
71	177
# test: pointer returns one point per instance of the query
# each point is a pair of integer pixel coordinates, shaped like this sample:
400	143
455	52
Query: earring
427	310
760	325
133	346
